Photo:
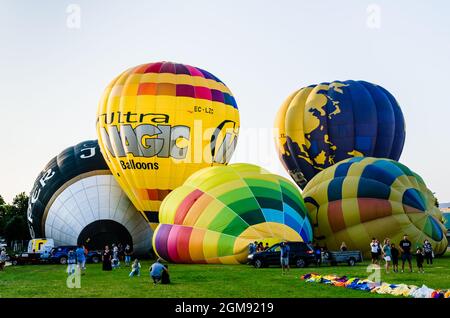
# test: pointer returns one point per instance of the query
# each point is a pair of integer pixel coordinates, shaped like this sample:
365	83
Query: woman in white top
374	250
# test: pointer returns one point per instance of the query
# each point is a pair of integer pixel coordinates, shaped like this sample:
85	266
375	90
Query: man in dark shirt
405	247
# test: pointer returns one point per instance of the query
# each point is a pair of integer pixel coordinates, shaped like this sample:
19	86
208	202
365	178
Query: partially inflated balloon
76	200
219	211
160	122
320	125
361	198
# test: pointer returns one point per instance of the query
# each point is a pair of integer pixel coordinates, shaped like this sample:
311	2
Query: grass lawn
217	281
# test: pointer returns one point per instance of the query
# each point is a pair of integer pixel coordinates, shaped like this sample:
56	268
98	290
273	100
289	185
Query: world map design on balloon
320	125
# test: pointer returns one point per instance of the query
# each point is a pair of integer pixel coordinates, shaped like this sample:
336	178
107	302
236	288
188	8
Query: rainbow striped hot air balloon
220	210
361	198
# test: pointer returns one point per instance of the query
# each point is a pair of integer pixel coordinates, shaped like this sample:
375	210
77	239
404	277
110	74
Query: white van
40	245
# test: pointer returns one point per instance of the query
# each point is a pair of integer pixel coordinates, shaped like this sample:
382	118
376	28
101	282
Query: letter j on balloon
158	123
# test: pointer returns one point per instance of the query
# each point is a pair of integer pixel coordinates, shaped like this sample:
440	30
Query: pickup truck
336	257
27	258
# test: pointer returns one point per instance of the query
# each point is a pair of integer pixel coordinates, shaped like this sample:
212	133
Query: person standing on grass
128	253
71	262
135	268
81	258
394	253
156	271
115	257
121	251
284	255
2	259
379	252
428	251
387	254
419	259
405	247
318	254
106	259
374	250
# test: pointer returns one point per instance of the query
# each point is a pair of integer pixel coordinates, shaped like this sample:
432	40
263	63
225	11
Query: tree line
13	218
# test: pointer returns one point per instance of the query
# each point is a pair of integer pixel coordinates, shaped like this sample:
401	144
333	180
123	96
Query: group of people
111	258
390	253
257	247
77	259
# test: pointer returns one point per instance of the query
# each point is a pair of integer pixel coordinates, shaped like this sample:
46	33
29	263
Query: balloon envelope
76	200
158	123
320	125
361	198
219	211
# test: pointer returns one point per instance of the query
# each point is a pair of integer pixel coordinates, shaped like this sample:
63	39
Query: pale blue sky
52	76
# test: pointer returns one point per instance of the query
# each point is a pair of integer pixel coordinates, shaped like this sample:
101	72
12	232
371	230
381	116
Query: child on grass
71	262
419	259
135	268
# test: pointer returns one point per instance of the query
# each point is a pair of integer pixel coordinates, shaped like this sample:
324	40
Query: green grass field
217	281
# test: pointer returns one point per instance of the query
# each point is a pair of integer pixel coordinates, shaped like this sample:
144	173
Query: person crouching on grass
135	268
156	271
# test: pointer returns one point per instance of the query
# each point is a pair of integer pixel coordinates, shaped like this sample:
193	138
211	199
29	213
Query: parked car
300	255
59	255
348	257
27	258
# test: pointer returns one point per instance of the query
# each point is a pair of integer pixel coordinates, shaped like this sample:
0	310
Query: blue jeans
135	272
127	259
156	278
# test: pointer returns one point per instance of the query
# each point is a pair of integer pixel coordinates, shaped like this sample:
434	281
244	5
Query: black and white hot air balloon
76	200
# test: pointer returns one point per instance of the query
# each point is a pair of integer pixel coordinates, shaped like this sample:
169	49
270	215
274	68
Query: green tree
16	229
13	218
20	202
2	215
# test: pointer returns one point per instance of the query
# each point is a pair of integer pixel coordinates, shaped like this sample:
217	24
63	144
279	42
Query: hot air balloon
361	198
160	122
320	125
219	211
76	200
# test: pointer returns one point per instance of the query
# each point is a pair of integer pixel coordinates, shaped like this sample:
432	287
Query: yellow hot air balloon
158	123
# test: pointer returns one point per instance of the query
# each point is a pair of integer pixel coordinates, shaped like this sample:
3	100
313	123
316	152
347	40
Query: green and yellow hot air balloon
220	210
361	198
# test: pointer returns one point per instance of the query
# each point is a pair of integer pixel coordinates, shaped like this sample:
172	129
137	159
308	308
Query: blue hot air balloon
322	124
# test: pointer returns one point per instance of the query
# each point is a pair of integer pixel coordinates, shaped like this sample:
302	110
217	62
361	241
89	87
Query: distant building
444	207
